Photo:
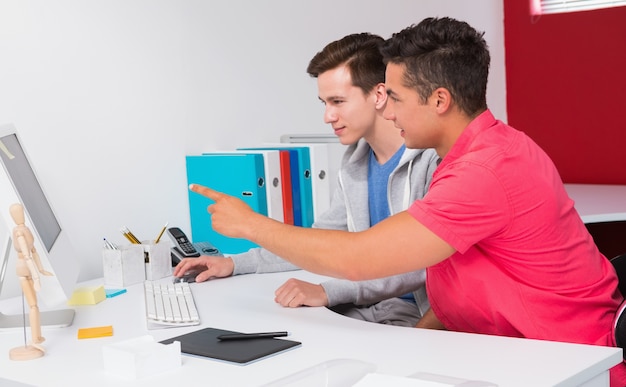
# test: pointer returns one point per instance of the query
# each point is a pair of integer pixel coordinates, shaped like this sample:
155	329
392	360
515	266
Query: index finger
205	191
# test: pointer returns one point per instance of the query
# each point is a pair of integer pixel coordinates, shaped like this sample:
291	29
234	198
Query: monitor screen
31	194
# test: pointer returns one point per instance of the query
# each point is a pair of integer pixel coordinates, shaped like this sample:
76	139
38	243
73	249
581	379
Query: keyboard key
191	305
158	300
150	304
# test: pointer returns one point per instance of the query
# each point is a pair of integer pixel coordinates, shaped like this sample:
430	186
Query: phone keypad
188	248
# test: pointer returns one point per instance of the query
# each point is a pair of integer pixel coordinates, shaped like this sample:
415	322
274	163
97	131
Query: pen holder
158	261
124	266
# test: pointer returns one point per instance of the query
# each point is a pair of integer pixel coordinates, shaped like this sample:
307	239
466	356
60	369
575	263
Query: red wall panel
566	88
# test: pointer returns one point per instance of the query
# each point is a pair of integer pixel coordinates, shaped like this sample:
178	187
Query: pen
158	238
248	336
109	245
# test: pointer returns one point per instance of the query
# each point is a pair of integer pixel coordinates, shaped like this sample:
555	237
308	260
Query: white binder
336	151
320	176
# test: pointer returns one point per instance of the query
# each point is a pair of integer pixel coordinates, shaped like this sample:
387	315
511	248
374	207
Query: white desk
245	303
599	202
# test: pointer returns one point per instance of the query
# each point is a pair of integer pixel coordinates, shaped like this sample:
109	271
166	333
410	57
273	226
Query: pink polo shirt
525	264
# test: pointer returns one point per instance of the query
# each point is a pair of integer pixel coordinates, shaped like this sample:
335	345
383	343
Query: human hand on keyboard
207	266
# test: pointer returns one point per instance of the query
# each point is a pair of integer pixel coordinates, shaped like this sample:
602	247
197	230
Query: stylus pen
248	336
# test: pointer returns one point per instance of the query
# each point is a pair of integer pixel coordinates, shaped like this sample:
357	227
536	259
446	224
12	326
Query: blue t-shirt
377	180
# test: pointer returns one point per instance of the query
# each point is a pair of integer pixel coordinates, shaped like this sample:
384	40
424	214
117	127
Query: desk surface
245	303
599	202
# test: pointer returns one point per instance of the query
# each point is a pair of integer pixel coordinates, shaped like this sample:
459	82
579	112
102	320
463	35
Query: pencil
158	238
129	235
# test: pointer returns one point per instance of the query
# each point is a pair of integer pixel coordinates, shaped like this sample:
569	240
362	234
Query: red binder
285	175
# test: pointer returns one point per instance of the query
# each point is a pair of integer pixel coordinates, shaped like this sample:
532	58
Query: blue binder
300	182
240	175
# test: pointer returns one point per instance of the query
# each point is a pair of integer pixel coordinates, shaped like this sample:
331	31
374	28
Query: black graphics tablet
205	343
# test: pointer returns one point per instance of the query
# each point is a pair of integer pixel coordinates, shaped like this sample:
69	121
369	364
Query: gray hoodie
349	210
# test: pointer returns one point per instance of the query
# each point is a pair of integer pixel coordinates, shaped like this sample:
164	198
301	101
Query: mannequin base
28	352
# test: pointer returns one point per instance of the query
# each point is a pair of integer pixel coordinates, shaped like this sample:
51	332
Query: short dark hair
443	52
360	53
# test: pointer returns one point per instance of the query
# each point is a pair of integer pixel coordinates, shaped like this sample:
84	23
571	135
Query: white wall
109	96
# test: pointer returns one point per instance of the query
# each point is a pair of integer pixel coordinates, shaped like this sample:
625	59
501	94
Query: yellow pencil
129	235
158	238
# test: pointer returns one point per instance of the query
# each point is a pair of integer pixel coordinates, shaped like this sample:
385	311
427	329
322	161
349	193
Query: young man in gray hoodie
378	177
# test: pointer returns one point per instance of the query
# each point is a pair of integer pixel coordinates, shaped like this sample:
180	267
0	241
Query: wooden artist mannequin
28	268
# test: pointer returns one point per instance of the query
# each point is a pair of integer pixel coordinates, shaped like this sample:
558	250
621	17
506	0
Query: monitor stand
48	319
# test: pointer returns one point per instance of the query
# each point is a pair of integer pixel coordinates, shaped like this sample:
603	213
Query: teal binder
240	175
305	188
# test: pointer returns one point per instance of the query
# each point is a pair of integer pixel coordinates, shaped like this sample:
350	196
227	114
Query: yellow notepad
87	296
92	333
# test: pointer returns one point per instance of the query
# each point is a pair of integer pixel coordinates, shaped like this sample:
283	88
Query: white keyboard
170	304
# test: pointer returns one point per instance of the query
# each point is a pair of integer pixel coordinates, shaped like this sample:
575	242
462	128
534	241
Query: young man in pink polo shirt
507	253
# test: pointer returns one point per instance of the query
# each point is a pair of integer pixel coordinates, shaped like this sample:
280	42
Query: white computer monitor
19	184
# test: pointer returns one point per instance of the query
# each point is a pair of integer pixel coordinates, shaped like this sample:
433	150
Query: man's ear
380	92
442	100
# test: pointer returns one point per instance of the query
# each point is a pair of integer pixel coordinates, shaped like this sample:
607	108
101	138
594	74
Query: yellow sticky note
91	333
87	296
